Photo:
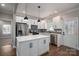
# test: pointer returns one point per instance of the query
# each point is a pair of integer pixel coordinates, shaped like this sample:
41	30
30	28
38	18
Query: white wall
71	16
6	17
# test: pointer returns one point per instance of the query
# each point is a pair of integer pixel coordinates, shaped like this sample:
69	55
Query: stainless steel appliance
21	29
34	29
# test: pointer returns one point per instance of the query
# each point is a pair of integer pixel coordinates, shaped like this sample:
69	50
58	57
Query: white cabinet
31	46
29	21
42	24
59	40
43	45
57	22
21	49
39	25
28	48
46	44
19	19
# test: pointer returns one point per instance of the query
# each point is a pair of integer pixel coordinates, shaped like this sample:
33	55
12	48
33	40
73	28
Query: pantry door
70	32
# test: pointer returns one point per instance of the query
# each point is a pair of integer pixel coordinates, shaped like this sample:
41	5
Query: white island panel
32	45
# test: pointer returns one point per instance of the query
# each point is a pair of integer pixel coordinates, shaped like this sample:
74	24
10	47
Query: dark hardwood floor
53	51
61	51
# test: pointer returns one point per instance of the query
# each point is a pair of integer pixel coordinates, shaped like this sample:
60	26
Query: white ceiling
46	8
8	8
31	8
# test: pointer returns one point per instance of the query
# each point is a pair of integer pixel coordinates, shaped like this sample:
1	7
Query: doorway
5	33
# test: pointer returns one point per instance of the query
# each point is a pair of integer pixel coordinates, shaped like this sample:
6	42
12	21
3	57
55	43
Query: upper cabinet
44	24
57	22
21	19
54	23
49	23
41	25
29	21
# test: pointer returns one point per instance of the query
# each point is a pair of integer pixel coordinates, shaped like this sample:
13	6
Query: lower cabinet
33	47
28	48
23	49
43	46
59	40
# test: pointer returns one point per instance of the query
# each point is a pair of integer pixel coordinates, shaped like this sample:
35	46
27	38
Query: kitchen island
32	45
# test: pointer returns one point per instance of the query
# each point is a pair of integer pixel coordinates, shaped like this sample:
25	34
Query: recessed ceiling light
2	4
55	11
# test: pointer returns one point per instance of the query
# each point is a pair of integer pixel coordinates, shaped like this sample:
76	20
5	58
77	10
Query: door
70	32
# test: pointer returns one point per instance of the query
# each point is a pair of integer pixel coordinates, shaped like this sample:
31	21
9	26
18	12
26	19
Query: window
6	29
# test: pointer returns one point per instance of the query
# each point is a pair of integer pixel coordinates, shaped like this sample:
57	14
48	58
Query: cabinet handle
44	41
31	45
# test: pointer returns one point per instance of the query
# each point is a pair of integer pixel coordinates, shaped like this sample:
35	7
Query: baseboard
71	47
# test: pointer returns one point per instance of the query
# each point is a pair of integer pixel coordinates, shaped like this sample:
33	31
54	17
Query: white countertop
30	37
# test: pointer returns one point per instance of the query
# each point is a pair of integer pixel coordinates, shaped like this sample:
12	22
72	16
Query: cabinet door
46	44
59	40
33	47
24	49
19	19
43	45
29	48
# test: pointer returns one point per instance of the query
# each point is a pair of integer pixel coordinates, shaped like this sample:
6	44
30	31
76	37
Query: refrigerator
21	29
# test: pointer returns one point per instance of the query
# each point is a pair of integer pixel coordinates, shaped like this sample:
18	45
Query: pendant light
38	13
38	20
25	18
